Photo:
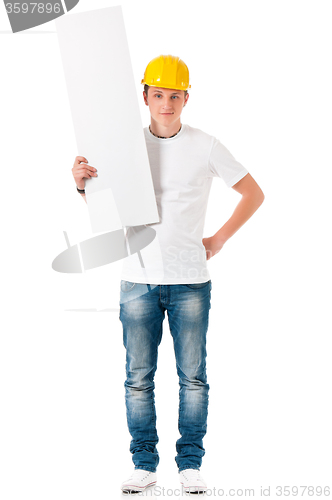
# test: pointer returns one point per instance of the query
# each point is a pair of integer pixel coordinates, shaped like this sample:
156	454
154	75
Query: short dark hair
146	88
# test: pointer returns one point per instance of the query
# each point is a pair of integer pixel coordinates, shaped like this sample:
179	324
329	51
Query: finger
83	173
209	254
79	172
86	167
79	160
86	171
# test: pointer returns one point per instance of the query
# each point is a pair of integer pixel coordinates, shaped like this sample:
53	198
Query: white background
261	83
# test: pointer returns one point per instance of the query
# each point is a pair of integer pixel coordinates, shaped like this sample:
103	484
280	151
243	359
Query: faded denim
142	311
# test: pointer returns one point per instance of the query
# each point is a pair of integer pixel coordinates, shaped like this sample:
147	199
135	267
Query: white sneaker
139	481
192	481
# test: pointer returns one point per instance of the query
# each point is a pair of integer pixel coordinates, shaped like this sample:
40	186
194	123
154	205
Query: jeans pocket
127	286
198	285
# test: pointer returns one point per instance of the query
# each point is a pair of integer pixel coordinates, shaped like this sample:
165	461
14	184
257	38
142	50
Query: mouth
167	113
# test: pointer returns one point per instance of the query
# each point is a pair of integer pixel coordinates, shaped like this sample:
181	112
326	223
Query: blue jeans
142	311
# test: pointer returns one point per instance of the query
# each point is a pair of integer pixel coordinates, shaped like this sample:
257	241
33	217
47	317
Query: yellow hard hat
168	72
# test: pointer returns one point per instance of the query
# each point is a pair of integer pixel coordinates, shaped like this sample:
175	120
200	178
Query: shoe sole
136	489
194	489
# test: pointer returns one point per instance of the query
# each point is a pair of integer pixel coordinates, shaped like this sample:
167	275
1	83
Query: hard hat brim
165	86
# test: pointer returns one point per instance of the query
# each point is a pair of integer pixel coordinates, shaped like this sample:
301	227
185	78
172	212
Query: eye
175	96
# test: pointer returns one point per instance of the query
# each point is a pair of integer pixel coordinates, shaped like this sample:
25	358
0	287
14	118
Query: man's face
165	104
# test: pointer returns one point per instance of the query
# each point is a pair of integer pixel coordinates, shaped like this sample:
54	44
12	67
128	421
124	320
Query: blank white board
106	117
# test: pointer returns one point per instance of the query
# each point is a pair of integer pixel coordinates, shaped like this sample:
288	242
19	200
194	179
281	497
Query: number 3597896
33	7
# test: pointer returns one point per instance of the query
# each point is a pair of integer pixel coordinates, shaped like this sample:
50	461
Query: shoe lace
140	474
191	474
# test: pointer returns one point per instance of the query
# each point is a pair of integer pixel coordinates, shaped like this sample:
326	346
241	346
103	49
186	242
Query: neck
163	131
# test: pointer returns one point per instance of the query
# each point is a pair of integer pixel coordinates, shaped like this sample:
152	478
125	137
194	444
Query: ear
186	100
145	98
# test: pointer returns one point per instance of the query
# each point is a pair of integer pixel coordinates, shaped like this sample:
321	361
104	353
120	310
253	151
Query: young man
174	277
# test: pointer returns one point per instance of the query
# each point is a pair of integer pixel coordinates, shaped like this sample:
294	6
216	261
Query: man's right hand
82	170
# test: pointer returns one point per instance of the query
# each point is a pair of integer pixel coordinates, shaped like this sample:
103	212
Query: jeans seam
183	467
150	469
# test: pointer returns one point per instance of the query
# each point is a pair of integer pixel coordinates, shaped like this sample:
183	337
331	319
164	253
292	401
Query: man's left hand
212	246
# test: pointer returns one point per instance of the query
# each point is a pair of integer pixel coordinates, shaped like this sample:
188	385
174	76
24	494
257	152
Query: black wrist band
80	190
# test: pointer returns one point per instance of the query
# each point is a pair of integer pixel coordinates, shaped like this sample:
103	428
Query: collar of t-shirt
167	140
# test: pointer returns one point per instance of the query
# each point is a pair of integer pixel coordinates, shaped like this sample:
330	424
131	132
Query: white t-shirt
182	169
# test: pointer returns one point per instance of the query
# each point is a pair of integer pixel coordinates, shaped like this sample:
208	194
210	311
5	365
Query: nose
167	103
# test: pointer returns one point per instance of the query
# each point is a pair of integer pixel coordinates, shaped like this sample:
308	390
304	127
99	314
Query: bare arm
252	198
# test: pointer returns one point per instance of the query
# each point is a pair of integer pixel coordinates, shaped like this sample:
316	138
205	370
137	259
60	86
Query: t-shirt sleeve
222	164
